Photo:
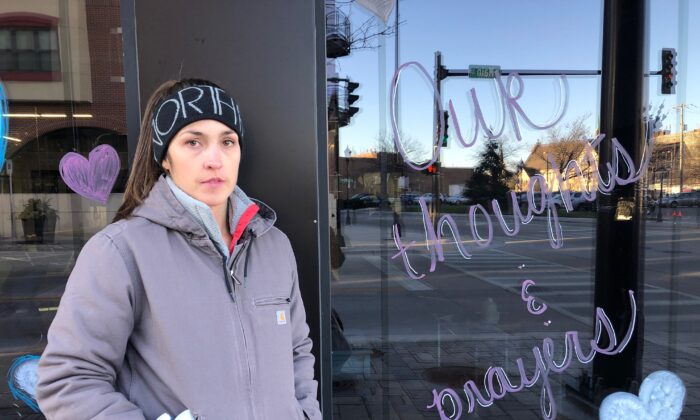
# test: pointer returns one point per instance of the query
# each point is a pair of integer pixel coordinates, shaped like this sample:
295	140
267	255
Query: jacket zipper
230	276
234	265
247	359
231	284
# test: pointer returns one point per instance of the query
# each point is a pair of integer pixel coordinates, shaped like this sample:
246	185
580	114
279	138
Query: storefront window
63	99
474	247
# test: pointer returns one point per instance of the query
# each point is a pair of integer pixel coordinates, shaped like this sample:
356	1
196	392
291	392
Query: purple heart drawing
94	177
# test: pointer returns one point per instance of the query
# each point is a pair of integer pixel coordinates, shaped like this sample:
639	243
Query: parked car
456	199
556	200
428	197
370	200
684	199
409	198
695	197
361	200
578	202
666	200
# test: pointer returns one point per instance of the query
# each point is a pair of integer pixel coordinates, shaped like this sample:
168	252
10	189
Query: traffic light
446	120
352	110
668	71
431	170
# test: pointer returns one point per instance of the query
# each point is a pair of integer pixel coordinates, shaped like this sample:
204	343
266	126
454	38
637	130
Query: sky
515	35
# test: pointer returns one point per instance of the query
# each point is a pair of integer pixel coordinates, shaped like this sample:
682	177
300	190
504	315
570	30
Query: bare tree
566	143
363	36
413	148
510	152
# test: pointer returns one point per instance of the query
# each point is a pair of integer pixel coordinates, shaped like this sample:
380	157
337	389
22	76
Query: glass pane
7	61
44	37
47	39
49	61
5	39
45	60
55	61
24	39
46	219
27	61
672	190
468	232
53	40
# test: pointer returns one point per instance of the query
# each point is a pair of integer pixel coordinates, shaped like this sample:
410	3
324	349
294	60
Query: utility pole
681	108
437	122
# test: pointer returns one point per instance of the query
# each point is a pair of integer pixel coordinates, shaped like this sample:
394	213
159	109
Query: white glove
185	415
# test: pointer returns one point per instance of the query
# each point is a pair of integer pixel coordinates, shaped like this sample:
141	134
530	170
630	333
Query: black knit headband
190	104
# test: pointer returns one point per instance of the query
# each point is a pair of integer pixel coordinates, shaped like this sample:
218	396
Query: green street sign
484	72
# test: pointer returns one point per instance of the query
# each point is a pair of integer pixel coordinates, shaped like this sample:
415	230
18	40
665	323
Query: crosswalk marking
507	271
491	266
394	275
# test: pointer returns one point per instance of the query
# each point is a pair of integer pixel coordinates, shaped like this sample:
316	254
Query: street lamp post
348	153
659	217
518	181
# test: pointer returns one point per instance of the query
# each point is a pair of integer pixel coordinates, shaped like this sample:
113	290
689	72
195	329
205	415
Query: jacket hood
162	207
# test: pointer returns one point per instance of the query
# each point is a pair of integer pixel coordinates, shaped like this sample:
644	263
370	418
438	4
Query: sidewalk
397	383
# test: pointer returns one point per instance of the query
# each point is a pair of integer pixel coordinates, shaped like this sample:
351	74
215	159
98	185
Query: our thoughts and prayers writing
599	178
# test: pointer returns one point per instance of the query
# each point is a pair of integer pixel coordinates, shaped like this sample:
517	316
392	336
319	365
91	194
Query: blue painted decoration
22	378
661	397
4	125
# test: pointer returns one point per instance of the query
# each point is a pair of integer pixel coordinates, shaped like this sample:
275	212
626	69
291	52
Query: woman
190	299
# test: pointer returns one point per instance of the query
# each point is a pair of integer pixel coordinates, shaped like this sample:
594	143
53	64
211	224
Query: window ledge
30	76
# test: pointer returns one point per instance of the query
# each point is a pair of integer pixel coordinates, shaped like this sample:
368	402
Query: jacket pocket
275	300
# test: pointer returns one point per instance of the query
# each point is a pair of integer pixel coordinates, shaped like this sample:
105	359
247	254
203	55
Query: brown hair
145	170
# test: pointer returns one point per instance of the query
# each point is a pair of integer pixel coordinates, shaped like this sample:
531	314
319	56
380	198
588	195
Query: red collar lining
247	216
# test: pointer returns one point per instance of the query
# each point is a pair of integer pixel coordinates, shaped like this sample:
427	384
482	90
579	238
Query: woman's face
203	160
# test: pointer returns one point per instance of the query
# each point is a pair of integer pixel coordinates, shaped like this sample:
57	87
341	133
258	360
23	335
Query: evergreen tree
489	178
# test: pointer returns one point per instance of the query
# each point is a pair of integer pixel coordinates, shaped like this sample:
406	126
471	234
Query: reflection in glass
414	323
54	108
24	39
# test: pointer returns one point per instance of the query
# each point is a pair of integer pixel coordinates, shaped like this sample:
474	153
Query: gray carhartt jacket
147	325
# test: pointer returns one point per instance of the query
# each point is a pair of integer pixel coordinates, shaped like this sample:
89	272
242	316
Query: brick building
63	76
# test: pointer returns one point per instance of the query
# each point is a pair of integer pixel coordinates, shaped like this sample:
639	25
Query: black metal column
619	240
324	367
270	55
131	76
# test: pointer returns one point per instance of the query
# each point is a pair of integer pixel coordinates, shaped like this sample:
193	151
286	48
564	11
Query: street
467	315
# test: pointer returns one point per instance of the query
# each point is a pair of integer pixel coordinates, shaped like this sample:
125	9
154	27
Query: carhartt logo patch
281	318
